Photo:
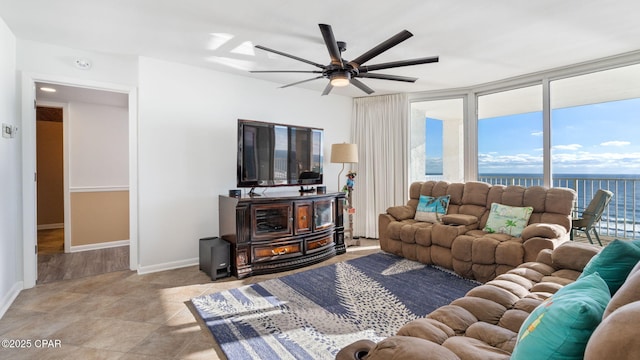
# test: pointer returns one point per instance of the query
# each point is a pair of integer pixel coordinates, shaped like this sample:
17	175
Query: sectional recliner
542	297
530	312
459	241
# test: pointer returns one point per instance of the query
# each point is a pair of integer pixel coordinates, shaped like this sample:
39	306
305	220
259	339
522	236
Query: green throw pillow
431	209
614	262
560	327
505	219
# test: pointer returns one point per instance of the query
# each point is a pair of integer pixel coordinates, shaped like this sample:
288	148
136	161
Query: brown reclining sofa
487	323
459	242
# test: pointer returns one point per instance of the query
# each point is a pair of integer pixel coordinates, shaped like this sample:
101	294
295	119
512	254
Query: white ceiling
477	41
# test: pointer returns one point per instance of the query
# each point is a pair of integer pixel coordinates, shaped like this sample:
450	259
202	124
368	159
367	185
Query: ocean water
621	219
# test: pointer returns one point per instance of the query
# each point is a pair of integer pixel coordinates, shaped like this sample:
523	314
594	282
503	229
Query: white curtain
380	129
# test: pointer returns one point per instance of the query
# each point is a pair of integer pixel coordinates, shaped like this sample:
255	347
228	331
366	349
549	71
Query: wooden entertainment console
281	232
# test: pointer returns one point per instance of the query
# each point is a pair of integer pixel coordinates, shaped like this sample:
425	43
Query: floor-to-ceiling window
510	146
596	142
436	140
573	127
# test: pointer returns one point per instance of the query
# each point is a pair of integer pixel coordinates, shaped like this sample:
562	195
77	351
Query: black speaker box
215	257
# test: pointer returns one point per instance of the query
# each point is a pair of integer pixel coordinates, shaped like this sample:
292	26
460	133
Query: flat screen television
271	154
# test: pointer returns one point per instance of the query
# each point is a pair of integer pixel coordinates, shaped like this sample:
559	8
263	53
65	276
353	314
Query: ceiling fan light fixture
340	79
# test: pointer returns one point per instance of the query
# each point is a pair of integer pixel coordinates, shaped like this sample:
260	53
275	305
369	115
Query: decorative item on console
348	187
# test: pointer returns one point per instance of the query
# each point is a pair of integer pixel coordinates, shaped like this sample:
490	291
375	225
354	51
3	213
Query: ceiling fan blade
332	45
287	71
300	82
380	48
394	64
291	56
387	77
327	89
360	85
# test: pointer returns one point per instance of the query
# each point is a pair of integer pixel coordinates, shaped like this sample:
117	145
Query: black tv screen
271	154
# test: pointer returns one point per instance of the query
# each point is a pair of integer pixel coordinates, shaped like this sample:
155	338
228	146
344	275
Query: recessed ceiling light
48	89
84	64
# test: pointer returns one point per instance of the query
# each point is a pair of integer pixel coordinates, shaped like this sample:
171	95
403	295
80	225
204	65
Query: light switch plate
8	131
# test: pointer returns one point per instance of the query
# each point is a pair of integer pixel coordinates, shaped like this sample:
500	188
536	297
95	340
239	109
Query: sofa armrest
402	212
543	230
572	255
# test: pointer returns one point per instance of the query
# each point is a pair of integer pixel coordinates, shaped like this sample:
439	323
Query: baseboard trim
51	226
98	246
10	297
167	266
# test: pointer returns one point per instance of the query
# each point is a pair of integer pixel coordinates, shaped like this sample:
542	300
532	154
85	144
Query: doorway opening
82	182
50	185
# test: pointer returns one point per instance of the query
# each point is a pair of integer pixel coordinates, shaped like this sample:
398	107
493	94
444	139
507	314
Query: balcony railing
620	218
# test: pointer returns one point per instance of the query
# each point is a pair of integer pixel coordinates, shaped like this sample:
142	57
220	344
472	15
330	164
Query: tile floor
123	315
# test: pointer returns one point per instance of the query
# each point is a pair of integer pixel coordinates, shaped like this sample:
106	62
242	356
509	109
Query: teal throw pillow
509	220
431	209
614	262
561	326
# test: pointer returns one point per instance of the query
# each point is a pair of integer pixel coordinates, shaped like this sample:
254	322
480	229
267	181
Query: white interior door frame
29	200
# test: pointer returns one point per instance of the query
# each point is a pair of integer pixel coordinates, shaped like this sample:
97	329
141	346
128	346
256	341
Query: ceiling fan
341	72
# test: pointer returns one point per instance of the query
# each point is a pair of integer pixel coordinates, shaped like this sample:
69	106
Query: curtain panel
380	129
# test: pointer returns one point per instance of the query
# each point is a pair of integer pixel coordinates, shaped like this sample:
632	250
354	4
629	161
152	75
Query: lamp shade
344	153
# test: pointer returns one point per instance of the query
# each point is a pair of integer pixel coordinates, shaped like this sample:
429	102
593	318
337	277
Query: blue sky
591	139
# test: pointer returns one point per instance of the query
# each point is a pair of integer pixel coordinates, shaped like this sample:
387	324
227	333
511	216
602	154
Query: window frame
470	103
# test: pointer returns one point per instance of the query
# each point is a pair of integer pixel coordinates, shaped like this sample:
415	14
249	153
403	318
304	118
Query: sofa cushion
509	220
475	193
614	262
431	209
428	329
471	348
617	336
628	293
455	317
493	335
560	327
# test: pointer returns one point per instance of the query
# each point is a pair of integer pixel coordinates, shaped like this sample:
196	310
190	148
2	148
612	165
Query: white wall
187	148
98	145
10	178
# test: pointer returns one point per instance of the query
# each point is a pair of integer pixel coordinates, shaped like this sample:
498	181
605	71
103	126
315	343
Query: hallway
55	265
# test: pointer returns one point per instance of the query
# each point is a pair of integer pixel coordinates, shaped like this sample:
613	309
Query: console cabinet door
272	220
304	217
324	211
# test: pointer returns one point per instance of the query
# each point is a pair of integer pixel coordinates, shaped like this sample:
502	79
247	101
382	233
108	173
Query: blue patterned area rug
315	313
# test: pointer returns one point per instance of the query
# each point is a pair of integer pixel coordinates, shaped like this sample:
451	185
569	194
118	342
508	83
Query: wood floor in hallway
55	265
